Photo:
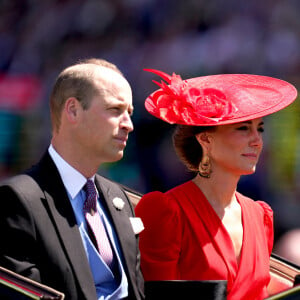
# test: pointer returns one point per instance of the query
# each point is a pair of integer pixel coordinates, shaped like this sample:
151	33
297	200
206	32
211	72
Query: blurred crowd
190	38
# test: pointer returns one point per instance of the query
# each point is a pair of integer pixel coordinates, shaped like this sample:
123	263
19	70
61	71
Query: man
45	213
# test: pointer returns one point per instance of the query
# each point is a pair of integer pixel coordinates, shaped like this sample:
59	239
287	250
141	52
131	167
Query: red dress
184	239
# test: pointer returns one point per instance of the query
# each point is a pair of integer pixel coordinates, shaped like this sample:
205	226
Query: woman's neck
219	191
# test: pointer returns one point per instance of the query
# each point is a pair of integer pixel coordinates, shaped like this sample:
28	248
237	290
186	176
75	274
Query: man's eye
117	109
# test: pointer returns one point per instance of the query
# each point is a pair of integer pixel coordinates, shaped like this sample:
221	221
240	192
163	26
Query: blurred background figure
192	37
19	97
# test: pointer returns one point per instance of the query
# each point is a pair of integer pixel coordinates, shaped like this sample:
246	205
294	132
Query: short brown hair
77	82
186	145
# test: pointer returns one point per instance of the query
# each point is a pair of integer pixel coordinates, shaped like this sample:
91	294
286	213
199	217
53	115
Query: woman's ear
203	139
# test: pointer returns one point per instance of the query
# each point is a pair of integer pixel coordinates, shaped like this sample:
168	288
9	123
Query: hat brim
254	96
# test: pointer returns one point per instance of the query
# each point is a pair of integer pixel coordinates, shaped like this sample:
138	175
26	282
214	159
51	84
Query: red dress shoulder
160	242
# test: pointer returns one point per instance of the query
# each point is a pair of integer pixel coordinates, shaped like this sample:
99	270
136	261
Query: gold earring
205	167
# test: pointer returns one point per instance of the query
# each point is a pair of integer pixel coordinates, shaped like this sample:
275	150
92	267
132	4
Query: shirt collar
73	180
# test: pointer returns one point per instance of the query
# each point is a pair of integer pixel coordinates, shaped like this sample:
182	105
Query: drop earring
205	167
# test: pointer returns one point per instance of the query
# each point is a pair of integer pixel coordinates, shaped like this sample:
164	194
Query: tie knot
91	197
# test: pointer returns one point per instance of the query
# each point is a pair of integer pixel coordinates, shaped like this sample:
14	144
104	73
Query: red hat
218	99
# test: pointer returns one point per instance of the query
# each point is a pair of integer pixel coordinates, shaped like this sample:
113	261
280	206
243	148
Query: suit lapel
121	223
60	209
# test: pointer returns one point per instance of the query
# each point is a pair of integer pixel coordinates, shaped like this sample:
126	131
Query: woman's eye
242	128
261	129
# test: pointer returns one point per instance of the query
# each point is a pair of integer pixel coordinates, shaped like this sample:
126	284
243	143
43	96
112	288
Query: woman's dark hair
186	145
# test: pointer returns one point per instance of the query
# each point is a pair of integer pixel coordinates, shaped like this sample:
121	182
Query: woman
204	229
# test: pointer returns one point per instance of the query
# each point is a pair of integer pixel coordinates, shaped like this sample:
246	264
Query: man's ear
72	107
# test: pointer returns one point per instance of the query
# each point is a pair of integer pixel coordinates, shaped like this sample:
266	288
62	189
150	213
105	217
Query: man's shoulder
16	180
106	182
30	175
132	195
20	183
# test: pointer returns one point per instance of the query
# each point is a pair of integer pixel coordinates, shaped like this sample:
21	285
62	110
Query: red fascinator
218	99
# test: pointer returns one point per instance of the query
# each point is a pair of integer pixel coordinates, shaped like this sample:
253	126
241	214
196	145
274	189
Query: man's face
104	127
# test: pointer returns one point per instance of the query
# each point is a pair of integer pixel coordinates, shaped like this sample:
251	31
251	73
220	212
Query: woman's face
236	148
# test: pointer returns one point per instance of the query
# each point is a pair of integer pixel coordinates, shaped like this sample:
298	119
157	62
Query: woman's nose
256	139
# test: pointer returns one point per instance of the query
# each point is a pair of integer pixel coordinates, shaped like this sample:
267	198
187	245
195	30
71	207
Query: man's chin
117	157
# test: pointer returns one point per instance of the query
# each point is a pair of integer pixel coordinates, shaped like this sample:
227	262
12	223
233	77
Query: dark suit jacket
40	238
